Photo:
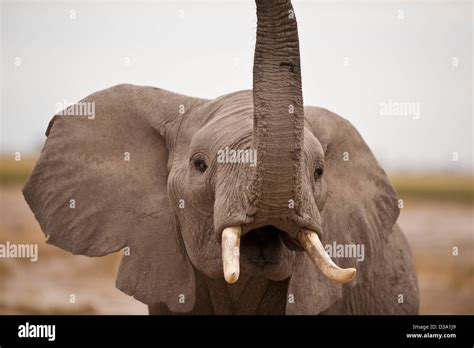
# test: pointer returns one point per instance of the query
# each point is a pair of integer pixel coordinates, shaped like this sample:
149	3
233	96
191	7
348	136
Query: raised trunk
278	110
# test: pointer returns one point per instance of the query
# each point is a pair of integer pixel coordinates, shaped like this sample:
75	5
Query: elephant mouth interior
265	245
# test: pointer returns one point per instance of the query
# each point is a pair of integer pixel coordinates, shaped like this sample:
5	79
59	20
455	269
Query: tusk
231	253
321	259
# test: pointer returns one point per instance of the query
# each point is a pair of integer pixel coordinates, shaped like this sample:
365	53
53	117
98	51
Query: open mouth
266	246
269	237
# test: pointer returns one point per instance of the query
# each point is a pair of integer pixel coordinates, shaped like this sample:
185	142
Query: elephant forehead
312	148
229	122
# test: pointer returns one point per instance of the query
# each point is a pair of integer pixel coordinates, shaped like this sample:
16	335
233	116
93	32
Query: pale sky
358	59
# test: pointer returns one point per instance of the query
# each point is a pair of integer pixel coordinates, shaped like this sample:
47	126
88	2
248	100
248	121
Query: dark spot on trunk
290	66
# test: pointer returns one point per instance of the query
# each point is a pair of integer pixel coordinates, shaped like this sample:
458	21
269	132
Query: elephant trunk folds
278	121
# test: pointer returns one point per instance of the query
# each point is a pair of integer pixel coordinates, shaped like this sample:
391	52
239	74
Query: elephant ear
100	186
361	209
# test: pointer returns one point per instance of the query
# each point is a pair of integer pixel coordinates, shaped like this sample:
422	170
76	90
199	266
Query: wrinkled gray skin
170	202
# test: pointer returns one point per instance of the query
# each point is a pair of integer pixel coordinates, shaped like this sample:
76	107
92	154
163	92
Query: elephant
227	206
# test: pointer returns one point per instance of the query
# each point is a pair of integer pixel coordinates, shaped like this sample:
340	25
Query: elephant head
247	185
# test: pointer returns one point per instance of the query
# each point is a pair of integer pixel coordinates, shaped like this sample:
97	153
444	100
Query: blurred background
401	72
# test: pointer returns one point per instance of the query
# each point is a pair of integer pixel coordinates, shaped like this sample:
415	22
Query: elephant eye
318	172
200	165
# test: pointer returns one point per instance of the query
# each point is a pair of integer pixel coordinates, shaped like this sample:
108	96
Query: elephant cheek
320	193
209	264
203	250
